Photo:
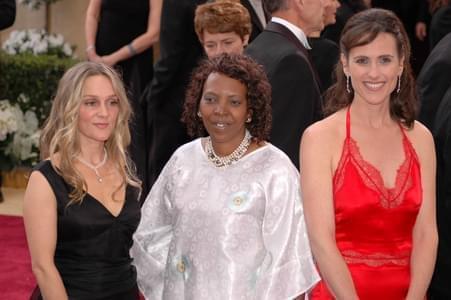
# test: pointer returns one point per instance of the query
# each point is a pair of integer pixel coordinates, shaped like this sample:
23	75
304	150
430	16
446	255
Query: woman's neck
93	153
373	116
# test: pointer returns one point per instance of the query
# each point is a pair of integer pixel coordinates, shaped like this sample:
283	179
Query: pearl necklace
96	167
224	161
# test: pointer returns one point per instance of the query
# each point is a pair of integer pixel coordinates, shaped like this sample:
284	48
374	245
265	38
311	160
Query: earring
249	119
348	84
199	115
399	85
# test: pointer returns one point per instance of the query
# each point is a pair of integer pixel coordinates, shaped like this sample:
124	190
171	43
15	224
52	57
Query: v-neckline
94	198
105	208
374	174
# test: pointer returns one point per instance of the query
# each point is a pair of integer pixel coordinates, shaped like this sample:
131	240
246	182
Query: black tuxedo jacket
296	100
439	287
257	26
440	25
434	80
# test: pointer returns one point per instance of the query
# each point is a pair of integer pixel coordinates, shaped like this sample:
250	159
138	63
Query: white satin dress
232	233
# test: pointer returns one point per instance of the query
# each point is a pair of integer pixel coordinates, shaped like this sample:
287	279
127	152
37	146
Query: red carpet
16	279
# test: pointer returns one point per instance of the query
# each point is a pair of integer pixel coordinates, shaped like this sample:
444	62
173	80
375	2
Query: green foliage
36	77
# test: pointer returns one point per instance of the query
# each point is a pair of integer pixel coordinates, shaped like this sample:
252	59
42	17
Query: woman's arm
316	185
425	238
142	42
91	23
40	224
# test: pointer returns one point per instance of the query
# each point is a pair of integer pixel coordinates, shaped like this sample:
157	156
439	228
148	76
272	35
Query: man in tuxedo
434	81
180	52
439	287
282	50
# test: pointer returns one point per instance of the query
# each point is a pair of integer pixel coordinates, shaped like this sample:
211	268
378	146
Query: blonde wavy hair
60	133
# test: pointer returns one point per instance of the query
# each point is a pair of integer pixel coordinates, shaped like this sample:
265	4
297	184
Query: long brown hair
360	30
60	134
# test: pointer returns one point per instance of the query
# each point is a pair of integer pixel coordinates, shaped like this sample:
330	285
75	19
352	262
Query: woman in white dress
225	219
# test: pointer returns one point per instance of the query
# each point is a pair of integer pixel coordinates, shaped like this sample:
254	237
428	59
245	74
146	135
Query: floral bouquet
19	136
37	41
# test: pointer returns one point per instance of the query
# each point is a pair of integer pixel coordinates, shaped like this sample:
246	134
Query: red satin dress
374	224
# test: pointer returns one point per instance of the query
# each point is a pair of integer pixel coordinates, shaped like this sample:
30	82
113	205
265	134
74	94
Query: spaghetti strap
348	123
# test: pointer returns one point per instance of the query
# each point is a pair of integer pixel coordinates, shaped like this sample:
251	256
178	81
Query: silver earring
249	119
348	84
399	85
199	115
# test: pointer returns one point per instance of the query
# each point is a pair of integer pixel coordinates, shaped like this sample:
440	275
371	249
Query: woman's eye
209	99
114	101
235	102
385	60
90	102
361	61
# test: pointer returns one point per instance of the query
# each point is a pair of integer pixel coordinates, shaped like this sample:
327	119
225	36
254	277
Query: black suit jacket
7	13
434	80
439	287
440	25
296	97
257	26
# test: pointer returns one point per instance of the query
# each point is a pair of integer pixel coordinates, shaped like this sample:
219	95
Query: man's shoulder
271	47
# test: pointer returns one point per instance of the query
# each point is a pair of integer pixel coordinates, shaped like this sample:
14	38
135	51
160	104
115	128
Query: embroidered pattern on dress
389	197
376	259
338	178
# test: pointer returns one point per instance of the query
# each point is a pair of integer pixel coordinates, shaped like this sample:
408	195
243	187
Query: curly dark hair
361	29
245	70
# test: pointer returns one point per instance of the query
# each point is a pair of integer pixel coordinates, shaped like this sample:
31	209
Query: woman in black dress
120	34
81	204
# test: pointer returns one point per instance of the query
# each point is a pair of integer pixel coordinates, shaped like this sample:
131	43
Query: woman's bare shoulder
421	139
328	129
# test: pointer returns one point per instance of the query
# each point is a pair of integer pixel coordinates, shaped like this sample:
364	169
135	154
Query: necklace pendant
99	179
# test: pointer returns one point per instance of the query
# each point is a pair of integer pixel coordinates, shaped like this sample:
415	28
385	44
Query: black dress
92	247
120	23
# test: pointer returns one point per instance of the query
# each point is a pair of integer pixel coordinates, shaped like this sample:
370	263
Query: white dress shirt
294	29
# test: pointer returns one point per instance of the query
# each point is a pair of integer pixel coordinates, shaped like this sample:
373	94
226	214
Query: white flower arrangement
37	41
19	134
35	4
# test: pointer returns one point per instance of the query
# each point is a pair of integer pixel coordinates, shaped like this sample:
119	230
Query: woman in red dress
368	172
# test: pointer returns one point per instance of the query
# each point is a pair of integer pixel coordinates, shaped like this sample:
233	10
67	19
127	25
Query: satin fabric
232	233
373	223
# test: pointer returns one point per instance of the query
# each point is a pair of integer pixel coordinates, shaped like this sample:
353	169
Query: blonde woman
81	204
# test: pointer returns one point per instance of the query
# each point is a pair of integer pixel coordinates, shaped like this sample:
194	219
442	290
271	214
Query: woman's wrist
131	50
90	48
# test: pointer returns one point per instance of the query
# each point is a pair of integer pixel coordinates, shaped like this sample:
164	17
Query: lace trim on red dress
376	259
389	197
